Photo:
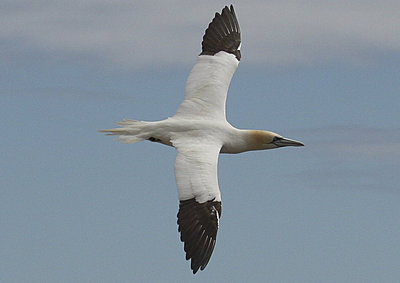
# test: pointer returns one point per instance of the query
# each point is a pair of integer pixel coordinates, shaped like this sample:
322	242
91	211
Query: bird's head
270	140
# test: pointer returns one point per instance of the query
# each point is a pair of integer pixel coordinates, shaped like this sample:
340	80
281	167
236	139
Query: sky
78	206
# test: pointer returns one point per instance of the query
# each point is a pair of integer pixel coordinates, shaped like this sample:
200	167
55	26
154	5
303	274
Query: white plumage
199	131
207	87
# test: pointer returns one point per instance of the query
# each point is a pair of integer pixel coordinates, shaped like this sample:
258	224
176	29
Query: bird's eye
276	139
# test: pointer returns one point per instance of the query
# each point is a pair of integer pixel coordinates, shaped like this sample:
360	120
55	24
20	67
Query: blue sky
77	206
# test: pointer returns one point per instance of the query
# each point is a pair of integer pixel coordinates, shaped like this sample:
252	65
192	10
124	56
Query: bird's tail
131	131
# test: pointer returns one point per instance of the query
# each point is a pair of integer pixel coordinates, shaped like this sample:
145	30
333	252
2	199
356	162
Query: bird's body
200	132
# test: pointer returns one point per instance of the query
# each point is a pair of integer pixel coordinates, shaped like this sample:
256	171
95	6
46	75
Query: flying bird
200	132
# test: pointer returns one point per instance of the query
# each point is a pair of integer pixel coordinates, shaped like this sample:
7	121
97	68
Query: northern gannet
200	132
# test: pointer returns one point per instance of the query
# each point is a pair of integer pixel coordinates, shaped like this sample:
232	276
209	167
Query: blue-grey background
77	206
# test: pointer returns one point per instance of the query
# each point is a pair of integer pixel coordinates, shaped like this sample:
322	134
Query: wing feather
208	82
200	242
200	199
207	87
223	34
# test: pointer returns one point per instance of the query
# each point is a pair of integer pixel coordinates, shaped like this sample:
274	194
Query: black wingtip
198	225
222	34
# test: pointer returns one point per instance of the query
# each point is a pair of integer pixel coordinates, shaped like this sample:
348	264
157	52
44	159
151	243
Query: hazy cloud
351	157
137	34
358	142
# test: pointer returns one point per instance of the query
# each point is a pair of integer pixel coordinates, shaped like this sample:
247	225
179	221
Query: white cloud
137	34
309	31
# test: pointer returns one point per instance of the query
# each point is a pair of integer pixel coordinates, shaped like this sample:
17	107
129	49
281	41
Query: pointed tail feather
131	131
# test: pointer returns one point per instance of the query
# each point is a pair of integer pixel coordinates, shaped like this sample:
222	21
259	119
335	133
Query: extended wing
200	199
208	81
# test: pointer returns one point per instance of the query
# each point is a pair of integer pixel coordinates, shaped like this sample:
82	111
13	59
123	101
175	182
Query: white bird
200	132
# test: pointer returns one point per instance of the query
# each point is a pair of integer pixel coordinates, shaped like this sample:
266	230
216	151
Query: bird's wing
200	199
208	82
